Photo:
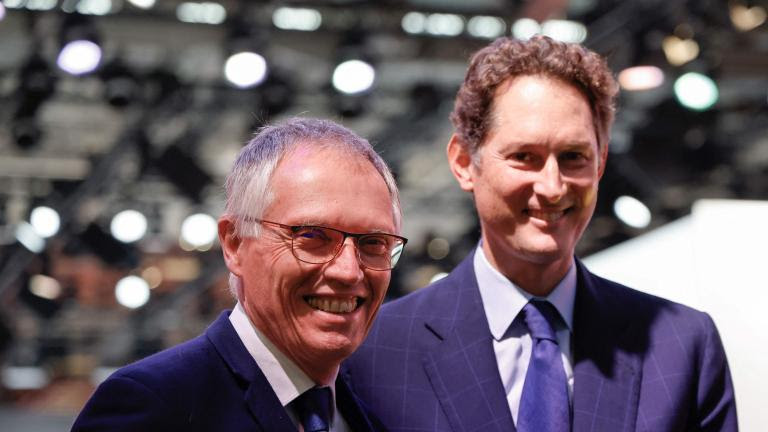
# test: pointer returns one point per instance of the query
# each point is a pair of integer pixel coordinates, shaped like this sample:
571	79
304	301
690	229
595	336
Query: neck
322	376
536	277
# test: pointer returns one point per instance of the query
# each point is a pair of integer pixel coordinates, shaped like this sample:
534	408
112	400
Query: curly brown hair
506	57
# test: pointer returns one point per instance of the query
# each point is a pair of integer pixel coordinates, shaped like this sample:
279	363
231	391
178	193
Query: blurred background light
353	76
525	28
632	211
94	7
245	69
696	91
414	23
24	377
199	230
143	4
679	51
153	275
201	13
36	5
45	287
128	226
438	248
79	57
489	27
565	30
747	18
302	19
45	221
440	24
28	237
638	78
437	277
132	292
2	11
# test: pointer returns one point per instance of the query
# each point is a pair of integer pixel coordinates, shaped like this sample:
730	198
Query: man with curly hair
521	336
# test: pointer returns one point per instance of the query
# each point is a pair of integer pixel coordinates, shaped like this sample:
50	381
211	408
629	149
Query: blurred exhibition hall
120	118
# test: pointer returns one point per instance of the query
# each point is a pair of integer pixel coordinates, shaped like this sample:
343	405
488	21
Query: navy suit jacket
210	383
641	363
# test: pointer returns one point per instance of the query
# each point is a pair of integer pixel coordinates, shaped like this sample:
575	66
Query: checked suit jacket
210	383
641	363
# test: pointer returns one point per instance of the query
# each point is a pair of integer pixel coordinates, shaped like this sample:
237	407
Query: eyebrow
311	222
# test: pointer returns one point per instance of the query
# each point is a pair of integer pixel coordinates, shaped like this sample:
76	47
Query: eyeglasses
318	245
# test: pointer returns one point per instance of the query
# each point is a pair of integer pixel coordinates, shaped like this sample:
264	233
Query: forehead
540	105
325	185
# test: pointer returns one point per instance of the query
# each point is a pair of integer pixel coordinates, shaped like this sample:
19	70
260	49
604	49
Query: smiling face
534	178
316	314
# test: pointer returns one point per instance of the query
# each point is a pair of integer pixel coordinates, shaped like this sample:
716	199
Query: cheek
379	282
589	196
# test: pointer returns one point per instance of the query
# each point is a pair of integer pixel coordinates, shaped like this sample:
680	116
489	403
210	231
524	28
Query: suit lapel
606	377
351	407
261	400
462	368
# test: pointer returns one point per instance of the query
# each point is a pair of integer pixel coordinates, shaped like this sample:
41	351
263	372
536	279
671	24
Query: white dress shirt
284	376
503	301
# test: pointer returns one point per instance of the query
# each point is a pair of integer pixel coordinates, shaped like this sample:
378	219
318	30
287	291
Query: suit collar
463	372
284	376
350	407
606	378
261	400
503	299
462	367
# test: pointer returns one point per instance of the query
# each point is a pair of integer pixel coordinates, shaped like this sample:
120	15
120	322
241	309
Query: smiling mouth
335	305
547	216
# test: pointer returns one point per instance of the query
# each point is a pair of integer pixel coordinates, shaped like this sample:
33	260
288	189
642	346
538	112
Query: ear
460	162
230	244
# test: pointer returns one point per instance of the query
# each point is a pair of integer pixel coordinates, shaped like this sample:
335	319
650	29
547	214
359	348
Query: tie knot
540	317
314	407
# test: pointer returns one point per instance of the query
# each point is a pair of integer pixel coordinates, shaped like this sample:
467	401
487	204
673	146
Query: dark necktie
544	403
314	407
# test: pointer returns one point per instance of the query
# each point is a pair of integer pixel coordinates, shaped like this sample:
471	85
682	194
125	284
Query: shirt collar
284	376
503	300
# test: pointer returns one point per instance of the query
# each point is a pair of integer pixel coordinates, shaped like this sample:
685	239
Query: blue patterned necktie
314	407
544	403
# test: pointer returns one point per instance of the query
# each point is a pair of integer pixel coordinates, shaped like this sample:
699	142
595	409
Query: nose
345	267
549	183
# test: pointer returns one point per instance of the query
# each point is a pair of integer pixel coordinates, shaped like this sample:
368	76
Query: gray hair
248	185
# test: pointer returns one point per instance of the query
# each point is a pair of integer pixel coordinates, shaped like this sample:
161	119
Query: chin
544	252
339	346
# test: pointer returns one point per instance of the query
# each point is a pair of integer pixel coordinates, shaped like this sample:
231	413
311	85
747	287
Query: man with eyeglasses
309	235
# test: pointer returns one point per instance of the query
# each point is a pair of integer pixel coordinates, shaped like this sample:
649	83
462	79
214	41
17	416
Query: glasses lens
377	250
316	245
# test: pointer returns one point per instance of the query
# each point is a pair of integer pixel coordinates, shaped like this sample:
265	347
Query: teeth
333	306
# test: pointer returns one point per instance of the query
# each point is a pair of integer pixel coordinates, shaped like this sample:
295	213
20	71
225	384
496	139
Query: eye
573	156
310	237
374	244
310	232
522	156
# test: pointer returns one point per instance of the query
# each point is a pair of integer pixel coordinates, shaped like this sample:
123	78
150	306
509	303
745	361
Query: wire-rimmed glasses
315	244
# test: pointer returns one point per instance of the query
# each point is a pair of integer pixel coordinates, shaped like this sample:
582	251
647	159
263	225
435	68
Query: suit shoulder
420	302
171	367
642	307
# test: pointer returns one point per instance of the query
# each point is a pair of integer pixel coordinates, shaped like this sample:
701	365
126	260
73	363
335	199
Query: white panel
714	260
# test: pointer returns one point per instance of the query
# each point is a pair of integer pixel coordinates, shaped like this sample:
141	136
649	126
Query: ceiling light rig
80	50
245	67
37	83
354	77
